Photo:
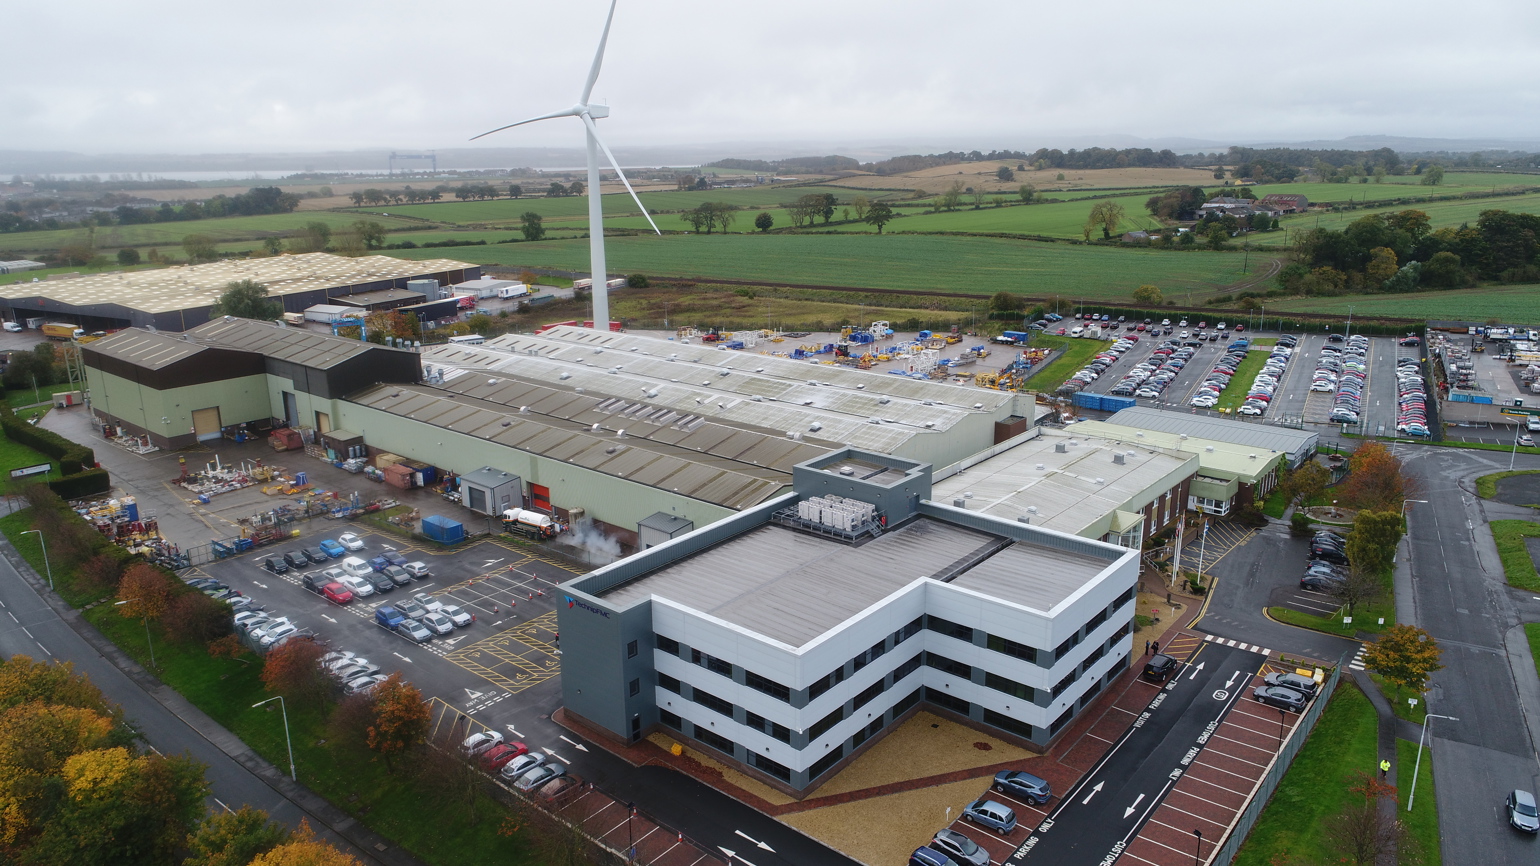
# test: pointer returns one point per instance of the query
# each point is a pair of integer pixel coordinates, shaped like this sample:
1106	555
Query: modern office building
789	637
1297	445
1229	476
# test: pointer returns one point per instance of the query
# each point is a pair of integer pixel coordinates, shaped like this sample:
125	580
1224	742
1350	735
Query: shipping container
442	529
386	459
400	477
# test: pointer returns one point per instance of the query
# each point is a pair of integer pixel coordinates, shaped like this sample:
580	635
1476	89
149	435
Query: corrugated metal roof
147	349
1250	434
732	480
307	348
187	286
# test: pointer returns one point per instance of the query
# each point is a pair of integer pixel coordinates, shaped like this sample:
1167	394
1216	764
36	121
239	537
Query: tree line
463	192
255	202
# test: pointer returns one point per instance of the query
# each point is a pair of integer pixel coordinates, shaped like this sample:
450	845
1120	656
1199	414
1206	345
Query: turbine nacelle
593	109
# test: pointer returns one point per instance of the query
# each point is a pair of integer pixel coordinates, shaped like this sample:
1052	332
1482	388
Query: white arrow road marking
580	746
548	751
733	855
472	695
491	562
263	585
1130	809
327	618
1194	674
402	657
515	733
755	841
1230	683
1094	791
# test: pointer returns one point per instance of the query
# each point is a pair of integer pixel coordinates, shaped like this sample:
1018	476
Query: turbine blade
593	130
563	113
593	72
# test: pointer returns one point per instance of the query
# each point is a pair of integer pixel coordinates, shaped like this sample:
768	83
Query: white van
356	567
467	340
1532	424
1076	331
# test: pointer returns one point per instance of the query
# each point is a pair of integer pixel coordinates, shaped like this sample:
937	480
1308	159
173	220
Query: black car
1330	554
275	564
1280	697
1329	539
315	555
397	575
296	559
1160	668
380	581
315	580
1335	338
1319	583
1024	786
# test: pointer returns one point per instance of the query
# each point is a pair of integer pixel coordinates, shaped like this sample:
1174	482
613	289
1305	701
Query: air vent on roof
874	420
1184	436
707	382
884	400
978	405
652	392
1031	509
507	423
491	381
815	426
1208	448
967	494
523	410
620	434
578	390
1139	433
723	372
1060	448
959	503
396	394
759	369
930	403
1119	459
1023	519
1041	467
861	387
594	428
1101	481
930	423
847	470
1251	456
794	435
598	351
757	399
612	449
565	375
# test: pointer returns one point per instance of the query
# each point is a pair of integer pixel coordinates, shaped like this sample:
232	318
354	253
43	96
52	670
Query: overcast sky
173	76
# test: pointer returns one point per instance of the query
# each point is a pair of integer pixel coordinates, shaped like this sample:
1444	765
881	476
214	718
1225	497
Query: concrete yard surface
880	830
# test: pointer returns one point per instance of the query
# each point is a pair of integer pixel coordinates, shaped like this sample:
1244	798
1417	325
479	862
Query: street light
1197	855
286	740
148	642
45	555
1428	720
1519	431
630	840
1407	502
1397	552
1282	719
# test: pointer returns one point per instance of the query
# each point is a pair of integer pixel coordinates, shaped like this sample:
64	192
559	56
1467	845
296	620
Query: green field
1441	214
1077	353
938	264
508	210
1060	219
14	455
169	235
1518	566
1504	303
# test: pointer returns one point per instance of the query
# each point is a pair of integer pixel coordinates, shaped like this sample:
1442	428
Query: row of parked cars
1411	398
422	617
951	848
1097	365
519	765
352	671
1350	363
1327	566
1207	394
263	629
1150	378
1265	385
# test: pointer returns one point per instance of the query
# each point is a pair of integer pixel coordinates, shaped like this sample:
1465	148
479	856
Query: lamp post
286	740
630	840
148	642
1283	717
1518	431
1405	503
46	566
1427	721
1197	854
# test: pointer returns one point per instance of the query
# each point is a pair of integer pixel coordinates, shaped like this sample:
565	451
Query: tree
1381	267
145	590
634	281
304	849
246	299
1261	222
24	680
879	215
313	238
1445	271
119	808
294	671
860	203
200	248
1025	192
515	191
977	194
764	221
128	256
952	197
1405	656
273	245
1308	481
1004	174
720	214
1360	586
1363	833
1106	215
480	324
1149	295
1371	545
556	189
1433	176
575	188
234	838
698	218
193	617
371	233
532	225
1004	302
400	719
1374	481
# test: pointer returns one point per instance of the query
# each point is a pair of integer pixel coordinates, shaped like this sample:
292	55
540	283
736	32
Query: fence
1236	835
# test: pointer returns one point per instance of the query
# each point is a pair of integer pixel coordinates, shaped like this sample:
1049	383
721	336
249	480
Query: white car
456	615
274	636
351	541
475	744
364	683
521	765
438	623
359	586
429	602
418	570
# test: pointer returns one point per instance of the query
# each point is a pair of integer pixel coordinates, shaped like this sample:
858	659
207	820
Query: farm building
179	298
789	638
20	265
1285	202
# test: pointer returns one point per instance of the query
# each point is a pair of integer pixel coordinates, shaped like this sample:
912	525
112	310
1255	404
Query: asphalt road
1111	803
30	626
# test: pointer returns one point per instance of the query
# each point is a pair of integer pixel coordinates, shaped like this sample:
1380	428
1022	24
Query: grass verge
1276	504
1077	353
28	396
1532	631
14	455
1518	566
1397	700
1315	787
1240	384
1486	485
1422	821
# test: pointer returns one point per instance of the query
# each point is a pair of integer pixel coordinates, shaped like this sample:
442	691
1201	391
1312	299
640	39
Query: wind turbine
588	113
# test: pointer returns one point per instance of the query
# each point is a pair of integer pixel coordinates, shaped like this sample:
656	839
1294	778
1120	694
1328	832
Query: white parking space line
1217	751
1215	785
1168	805
1140	859
1222	770
1012	800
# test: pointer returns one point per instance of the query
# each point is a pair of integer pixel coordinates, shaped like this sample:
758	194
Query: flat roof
183	287
366	299
793	586
1253	434
1070	491
1214	455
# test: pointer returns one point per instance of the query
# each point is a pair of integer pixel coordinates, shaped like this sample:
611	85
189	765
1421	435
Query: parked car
276	635
381	582
315	555
988	813
415	630
276	565
521	765
925	856
336	593
456	615
389	617
1160	668
351	541
357	585
418	570
1521	811
394	558
333	549
296	559
429	601
960	848
438	623
1319	583
539	776
1303	685
477	743
1024	786
411	608
356	567
500	754
1280	697
379	563
397	575
360	668
363	683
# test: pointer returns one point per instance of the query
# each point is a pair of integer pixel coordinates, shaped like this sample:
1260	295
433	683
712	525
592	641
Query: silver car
456	615
521	765
539	776
429	602
960	848
438	623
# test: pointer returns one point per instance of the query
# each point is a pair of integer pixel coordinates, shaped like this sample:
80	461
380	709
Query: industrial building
789	637
1077	484
1296	445
179	298
1229	476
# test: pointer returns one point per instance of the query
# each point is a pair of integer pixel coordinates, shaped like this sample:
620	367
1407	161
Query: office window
711	663
631	650
1121	633
1012	648
768	686
1091	659
908	631
834	678
1125	598
823	725
955	668
1069	643
1095	621
948	628
668	645
714	739
668	682
867	696
780	771
908	667
909	700
1006	723
764	725
826	763
946	701
870	655
1010	687
1063	684
712	702
634	689
667	718
1061	721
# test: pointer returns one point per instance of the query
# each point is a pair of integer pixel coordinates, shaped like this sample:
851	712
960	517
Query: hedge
72	456
92	482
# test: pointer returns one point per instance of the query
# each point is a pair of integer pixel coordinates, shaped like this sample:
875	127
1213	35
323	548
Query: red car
1239	328
495	757
337	593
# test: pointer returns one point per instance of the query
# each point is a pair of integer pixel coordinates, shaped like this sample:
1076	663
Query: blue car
393	557
379	563
988	813
333	549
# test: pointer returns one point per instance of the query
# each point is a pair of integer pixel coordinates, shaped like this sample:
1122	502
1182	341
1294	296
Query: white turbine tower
588	112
